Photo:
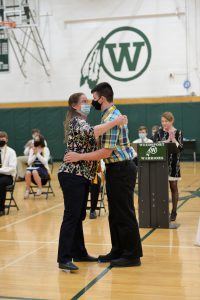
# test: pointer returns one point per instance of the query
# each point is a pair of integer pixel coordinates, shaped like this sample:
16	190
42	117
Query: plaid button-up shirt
116	138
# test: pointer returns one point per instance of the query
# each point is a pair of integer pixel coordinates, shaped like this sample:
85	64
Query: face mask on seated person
2	143
37	143
142	136
85	109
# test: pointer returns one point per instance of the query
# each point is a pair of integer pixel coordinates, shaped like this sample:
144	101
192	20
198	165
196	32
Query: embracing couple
79	168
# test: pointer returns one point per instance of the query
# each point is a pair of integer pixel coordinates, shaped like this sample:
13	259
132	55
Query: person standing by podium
169	134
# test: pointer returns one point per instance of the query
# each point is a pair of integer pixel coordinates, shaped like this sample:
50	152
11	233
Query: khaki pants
21	166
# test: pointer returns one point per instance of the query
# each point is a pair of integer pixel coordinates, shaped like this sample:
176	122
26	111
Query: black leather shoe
93	215
87	258
107	258
124	262
173	216
2	213
69	266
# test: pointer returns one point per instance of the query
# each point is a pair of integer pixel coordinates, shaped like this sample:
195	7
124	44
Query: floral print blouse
81	139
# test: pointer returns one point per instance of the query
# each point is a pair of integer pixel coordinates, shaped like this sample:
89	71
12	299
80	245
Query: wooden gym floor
28	248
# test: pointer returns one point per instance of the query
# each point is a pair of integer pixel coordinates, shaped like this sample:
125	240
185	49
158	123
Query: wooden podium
153	184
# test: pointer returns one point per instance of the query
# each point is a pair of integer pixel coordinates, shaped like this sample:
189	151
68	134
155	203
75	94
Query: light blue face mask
85	109
142	136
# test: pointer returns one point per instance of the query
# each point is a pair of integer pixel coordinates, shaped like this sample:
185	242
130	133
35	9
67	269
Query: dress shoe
93	215
69	266
173	216
2	213
125	262
107	258
87	258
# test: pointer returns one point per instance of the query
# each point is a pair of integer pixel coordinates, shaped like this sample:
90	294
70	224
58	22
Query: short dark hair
104	89
34	130
155	127
142	128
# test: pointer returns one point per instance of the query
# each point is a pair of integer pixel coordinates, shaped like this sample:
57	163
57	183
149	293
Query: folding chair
100	203
47	188
10	197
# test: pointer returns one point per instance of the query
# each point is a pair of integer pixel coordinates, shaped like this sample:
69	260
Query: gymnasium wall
18	122
71	28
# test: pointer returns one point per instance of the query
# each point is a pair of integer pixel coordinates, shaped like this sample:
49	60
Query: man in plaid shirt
120	182
121	150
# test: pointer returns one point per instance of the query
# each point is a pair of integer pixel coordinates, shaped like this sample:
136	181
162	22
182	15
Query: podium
153	179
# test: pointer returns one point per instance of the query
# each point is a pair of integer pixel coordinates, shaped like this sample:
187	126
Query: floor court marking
28	242
171	246
20	298
30	253
103	244
37	214
31	216
106	270
43	246
95	280
21	258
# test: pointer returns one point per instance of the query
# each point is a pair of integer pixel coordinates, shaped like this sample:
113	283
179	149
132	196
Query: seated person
38	172
142	133
154	129
95	187
8	164
22	161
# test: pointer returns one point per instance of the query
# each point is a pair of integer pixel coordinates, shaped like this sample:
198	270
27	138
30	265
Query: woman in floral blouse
75	178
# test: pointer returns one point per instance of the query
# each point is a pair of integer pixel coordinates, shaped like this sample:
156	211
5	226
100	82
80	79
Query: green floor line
186	200
105	271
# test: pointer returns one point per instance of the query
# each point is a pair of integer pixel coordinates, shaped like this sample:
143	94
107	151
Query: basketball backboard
24	12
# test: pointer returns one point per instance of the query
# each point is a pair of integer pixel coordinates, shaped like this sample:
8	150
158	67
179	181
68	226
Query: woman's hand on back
71	157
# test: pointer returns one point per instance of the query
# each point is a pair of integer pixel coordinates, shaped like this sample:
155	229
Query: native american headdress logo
124	54
92	64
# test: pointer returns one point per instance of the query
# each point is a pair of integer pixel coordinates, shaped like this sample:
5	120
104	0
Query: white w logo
152	150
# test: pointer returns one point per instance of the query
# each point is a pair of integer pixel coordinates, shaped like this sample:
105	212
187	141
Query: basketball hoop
6	24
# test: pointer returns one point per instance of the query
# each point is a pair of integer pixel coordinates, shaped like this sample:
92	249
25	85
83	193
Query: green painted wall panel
19	122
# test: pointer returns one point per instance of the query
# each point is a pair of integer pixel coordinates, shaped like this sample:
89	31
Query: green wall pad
18	122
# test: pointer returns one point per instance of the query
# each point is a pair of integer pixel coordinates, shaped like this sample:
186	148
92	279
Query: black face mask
36	143
2	143
96	105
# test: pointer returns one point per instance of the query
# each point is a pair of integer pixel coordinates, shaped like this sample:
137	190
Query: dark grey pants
124	231
75	191
5	180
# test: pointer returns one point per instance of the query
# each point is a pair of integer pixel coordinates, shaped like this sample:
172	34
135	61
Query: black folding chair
10	197
47	188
